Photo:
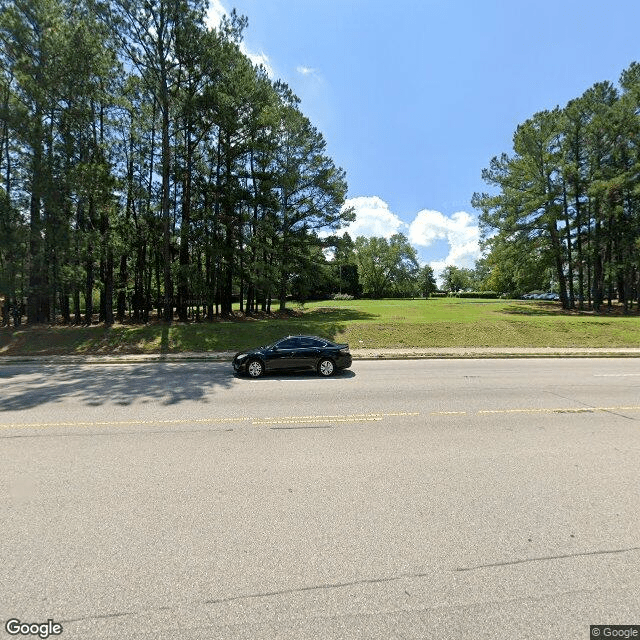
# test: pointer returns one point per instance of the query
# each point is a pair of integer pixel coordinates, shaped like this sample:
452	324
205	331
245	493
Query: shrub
476	294
342	296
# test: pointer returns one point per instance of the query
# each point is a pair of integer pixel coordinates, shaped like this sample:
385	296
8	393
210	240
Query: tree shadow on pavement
166	384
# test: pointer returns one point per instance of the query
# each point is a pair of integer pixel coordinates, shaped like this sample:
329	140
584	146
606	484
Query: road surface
402	499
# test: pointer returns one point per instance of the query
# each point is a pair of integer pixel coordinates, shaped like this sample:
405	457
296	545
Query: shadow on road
303	375
167	384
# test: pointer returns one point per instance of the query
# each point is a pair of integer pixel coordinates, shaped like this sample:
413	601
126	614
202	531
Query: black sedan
294	353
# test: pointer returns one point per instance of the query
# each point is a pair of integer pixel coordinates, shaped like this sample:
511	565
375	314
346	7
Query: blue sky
415	97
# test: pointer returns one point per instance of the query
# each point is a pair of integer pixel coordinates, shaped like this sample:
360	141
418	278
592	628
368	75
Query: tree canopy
386	267
567	200
147	164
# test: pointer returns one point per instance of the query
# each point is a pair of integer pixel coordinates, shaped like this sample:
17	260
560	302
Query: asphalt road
402	499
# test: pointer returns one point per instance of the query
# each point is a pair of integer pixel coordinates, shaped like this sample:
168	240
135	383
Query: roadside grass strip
364	324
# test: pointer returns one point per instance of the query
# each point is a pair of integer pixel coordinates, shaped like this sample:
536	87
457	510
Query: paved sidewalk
358	354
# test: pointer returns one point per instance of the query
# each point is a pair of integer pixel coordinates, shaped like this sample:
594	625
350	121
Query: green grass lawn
453	322
443	322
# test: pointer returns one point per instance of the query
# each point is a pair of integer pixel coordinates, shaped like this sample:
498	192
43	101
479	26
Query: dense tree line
567	200
145	161
378	267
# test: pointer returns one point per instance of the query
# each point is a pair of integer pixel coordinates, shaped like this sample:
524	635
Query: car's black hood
255	351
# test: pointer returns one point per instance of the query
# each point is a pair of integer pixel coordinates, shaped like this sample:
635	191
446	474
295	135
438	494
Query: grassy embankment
361	323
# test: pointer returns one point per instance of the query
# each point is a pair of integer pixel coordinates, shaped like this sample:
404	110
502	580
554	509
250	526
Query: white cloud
438	267
258	59
215	13
305	71
429	226
460	231
213	18
373	218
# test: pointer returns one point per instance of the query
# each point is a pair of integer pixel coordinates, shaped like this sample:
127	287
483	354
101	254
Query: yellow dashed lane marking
359	417
560	410
116	423
340	418
448	413
531	410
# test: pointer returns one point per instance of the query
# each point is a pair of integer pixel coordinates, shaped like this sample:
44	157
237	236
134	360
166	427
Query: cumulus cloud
373	218
310	74
459	230
213	18
215	13
258	59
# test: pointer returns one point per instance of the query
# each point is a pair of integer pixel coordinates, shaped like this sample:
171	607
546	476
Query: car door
309	352
282	355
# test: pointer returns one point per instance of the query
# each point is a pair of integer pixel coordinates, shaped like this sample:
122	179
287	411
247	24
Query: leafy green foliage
387	267
153	163
565	211
427	281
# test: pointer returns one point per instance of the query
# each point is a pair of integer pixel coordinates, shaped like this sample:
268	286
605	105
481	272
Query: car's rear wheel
326	367
255	368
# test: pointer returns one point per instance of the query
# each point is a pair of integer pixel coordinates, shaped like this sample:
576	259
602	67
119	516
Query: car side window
289	343
312	343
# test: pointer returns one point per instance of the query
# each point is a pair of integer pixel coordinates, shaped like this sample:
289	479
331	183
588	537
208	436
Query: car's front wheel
326	367
255	368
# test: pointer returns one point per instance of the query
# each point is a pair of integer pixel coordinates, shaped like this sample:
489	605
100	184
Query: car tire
255	368
326	367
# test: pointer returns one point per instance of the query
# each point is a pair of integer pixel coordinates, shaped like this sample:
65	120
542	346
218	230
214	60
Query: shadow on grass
159	337
164	384
535	309
235	335
164	340
335	314
553	309
74	340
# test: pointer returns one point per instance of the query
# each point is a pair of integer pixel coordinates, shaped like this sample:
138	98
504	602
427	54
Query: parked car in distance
540	296
294	353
